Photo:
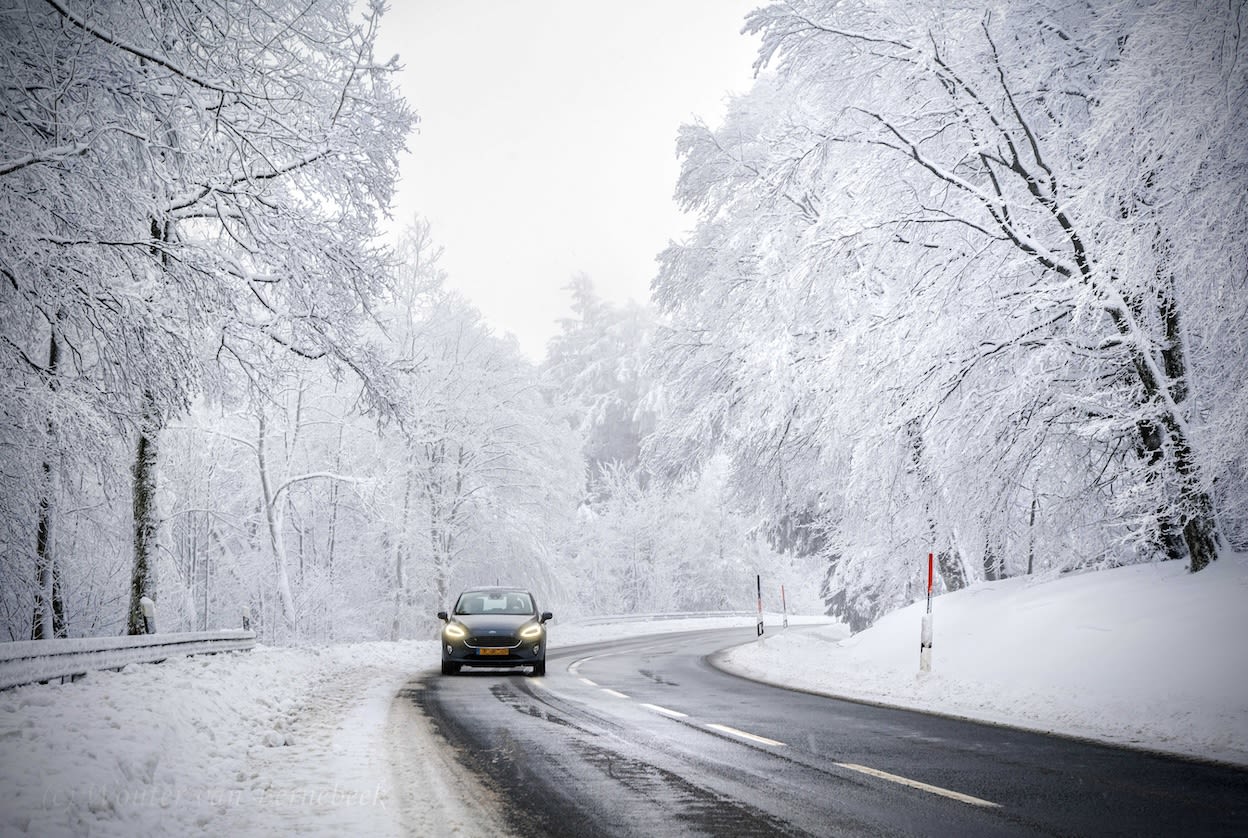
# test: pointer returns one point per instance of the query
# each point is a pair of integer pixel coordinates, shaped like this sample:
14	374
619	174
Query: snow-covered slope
1149	656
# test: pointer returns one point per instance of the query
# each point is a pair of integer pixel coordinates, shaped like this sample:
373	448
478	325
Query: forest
969	279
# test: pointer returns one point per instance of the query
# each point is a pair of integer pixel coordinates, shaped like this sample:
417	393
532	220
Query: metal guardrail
33	661
645	618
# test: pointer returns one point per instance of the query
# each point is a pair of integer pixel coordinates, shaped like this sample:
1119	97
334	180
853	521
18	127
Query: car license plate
494	651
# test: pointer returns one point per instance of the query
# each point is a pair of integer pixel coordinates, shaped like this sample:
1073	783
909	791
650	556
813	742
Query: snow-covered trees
267	498
966	279
651	536
489	471
964	282
182	186
319	517
672	545
596	365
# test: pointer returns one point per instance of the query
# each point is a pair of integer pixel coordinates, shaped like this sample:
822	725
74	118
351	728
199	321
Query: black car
494	627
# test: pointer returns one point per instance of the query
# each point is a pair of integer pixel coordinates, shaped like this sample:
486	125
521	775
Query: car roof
495	589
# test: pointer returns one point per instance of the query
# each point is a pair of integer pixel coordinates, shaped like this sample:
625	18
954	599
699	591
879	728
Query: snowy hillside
1149	656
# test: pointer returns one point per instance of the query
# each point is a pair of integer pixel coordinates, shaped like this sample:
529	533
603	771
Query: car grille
502	640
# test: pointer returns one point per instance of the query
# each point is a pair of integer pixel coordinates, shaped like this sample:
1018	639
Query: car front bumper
525	654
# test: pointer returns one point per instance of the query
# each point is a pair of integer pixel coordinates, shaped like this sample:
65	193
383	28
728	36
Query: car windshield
491	602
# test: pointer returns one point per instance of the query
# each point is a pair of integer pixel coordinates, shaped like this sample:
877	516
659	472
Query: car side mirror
442	616
546	615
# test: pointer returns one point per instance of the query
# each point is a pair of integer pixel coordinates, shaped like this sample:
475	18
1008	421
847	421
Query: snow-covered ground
272	741
1149	656
312	740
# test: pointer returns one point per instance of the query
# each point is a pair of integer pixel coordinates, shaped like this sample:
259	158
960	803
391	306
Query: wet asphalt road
646	737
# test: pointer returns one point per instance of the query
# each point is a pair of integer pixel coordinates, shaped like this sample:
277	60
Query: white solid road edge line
587	681
614	693
732	731
905	781
575	666
675	714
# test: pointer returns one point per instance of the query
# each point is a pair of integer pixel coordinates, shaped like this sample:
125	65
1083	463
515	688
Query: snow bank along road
646	737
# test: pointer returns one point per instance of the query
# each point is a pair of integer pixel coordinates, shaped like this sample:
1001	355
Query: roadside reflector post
759	580
784	607
925	640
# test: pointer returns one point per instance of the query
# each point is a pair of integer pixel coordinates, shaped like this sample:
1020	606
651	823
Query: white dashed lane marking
915	784
732	731
574	669
675	714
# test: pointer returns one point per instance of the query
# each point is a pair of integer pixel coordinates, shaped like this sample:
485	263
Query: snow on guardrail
645	618
32	661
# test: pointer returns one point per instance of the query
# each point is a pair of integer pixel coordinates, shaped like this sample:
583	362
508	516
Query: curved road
646	737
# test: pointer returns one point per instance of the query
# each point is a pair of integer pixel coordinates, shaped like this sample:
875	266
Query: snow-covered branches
185	189
948	279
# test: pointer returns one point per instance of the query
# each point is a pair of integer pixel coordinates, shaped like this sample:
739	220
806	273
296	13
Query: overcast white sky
546	145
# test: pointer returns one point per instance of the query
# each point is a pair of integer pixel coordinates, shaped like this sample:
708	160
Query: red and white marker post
784	607
759	579
925	641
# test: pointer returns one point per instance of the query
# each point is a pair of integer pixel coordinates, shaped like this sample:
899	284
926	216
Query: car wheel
449	668
539	668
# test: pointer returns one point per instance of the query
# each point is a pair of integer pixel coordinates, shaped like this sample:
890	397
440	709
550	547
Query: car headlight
531	632
454	631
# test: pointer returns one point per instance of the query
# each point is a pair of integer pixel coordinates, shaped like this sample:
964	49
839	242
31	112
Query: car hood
501	623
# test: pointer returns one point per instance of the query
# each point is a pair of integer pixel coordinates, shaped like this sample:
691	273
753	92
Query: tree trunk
207	582
992	562
276	540
1200	530
42	625
59	627
1031	535
439	541
1193	511
949	566
46	572
400	563
1200	521
142	582
952	569
1151	449
333	503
